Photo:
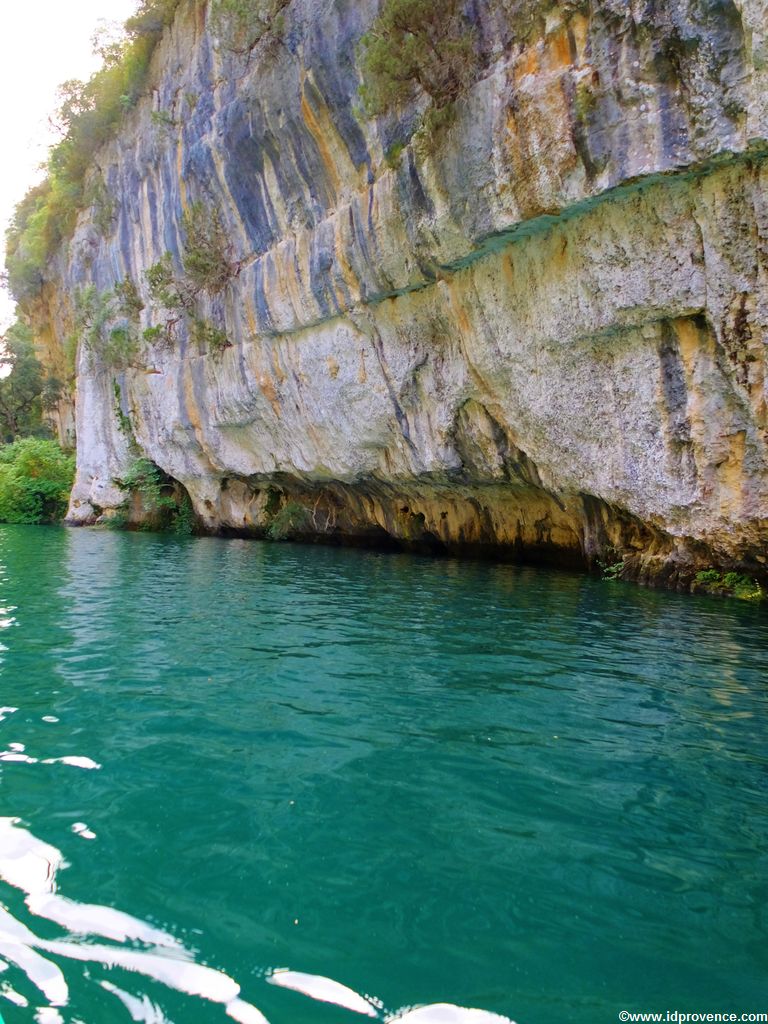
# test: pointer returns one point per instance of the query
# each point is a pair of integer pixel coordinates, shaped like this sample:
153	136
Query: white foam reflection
47	1015
32	866
143	1009
75	762
447	1013
323	989
13	996
82	830
17	752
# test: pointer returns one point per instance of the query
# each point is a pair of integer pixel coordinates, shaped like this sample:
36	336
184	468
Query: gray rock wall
541	332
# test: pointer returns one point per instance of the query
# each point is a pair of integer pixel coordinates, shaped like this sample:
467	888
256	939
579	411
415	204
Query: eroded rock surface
540	333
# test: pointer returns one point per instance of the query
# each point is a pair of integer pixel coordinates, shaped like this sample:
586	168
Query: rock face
539	332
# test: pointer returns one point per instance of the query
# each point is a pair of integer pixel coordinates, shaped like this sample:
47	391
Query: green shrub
107	323
162	119
165	289
123	420
708	576
208	336
103	205
393	154
128	300
52	392
613	571
293	518
184	520
35	480
417	46
732	584
164	503
206	250
241	24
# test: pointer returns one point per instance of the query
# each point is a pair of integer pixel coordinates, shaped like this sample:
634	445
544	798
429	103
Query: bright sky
42	44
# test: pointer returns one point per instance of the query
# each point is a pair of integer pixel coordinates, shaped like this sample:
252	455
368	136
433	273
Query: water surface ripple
308	785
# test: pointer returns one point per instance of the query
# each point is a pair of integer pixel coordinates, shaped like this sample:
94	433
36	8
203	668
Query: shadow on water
504	787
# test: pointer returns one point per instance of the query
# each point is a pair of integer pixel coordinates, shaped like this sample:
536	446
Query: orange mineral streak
527	63
557	53
731	476
320	134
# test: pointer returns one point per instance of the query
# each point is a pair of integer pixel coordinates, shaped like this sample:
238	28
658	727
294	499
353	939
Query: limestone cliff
540	331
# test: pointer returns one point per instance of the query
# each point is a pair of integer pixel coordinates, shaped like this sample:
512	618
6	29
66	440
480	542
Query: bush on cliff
206	249
417	46
241	24
35	480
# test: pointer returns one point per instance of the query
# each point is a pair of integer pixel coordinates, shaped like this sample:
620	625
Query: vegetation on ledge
729	584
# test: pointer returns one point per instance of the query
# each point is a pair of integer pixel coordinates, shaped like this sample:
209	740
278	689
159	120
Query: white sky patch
42	44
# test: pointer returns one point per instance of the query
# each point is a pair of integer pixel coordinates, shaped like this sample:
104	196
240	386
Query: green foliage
417	46
708	576
70	354
241	24
730	584
162	119
152	17
206	267
206	251
147	481
164	288
612	571
103	205
123	421
292	519
52	392
107	323
155	335
162	508
207	336
35	480
21	386
89	114
184	520
28	243
128	300
393	154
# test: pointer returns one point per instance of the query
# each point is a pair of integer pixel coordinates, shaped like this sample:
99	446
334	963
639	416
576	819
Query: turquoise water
433	782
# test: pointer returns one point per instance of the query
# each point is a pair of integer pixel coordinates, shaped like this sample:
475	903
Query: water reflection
31	865
432	780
